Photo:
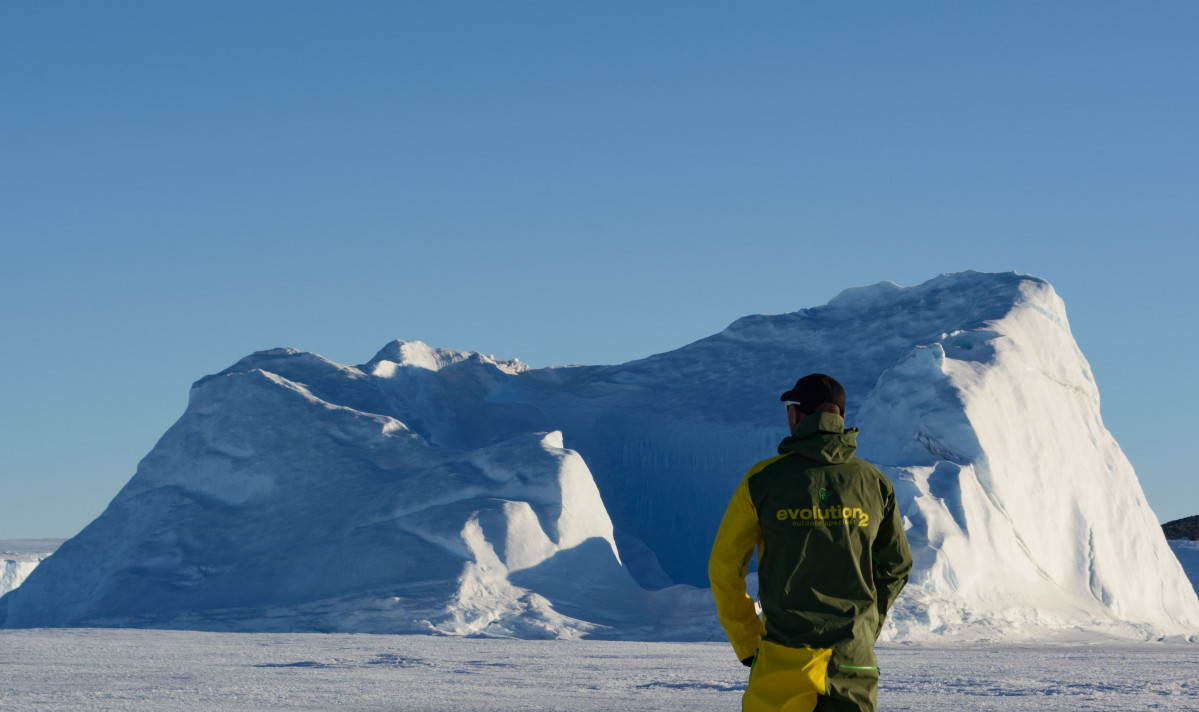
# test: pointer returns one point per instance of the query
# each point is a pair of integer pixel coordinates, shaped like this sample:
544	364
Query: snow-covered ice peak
433	489
417	354
857	297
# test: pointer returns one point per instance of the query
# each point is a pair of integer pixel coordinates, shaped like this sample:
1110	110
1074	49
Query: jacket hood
822	437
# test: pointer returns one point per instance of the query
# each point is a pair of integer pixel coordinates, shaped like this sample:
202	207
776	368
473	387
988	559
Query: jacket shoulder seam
763	465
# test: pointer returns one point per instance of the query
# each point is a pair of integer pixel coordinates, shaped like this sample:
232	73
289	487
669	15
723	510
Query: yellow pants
786	679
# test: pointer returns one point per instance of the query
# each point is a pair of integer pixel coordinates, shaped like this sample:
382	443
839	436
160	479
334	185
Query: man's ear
794	415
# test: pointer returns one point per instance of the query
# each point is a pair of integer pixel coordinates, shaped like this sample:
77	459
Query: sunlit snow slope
430	489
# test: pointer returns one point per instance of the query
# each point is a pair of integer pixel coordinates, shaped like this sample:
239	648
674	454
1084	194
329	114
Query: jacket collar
821	437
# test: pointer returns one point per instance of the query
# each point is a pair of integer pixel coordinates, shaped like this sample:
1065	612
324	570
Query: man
832	557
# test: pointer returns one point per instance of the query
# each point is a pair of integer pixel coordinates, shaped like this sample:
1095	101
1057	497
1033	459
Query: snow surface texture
167	671
434	490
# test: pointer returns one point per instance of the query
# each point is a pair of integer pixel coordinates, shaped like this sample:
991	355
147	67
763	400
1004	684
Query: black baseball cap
812	390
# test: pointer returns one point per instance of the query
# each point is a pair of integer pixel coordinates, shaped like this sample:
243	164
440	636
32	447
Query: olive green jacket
832	554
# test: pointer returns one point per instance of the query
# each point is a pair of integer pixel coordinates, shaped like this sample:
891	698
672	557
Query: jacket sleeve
739	533
892	558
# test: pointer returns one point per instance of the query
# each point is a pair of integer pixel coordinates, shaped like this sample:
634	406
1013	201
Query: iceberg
443	491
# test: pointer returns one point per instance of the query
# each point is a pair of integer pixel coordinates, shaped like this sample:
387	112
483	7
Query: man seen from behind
832	558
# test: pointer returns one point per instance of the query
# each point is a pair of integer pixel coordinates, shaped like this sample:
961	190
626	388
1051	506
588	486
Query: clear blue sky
184	183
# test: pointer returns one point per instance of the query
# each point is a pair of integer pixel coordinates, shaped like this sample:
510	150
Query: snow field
164	671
